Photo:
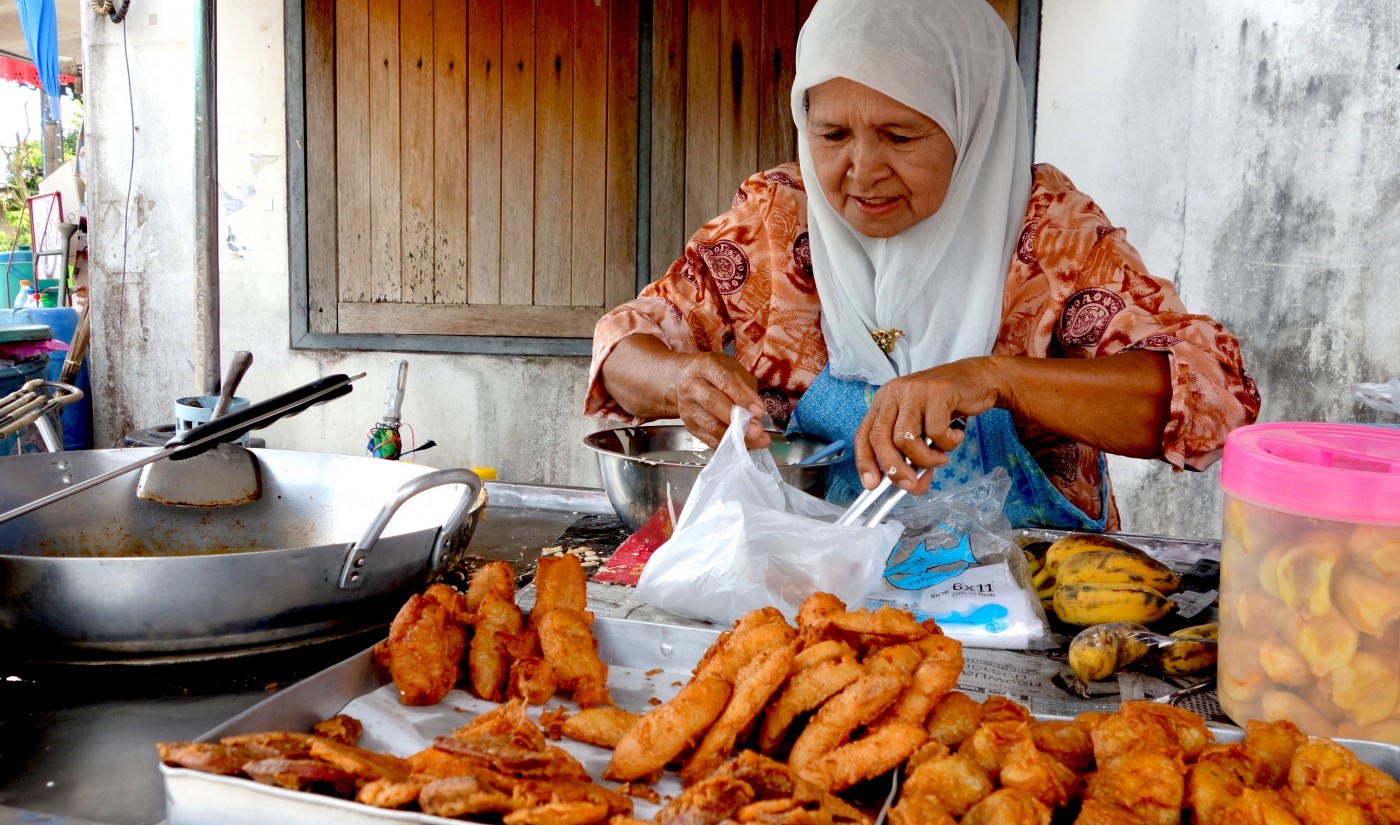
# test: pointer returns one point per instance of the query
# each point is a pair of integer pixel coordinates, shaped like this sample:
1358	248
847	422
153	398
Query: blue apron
832	408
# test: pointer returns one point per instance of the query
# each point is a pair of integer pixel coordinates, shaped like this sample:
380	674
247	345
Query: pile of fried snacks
784	724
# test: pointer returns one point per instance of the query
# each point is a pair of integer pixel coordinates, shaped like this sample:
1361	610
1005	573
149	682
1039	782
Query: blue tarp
40	24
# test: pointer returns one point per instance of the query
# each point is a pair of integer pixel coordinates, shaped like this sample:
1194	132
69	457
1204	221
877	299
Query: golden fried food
602	726
1150	784
501	756
811	613
755	632
805	691
668	729
440	764
871	627
497	620
1065	741
462	796
1271	745
571	649
423	653
365	765
1211	787
532	679
272	743
1094	812
1258	807
389	793
919	810
492	579
1324	764
559	813
990	745
954	781
1004	709
713	799
877	753
530	793
1008	807
858	704
901	659
954	718
1149	726
820	652
341	728
1314	806
208	757
754	685
311	775
559	583
936	675
747	778
1037	774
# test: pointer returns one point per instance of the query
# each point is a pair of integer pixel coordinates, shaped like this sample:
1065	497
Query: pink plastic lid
1342	472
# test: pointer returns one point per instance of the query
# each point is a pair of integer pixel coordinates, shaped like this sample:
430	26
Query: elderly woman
914	269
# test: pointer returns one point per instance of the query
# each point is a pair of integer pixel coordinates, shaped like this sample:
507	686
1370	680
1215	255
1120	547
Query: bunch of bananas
1090	579
1100	651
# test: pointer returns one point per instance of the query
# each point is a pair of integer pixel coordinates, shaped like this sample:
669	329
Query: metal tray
634	651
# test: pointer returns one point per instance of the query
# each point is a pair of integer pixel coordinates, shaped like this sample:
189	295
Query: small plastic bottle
25	298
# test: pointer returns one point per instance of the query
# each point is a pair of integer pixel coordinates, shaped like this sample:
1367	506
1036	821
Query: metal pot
651	467
105	575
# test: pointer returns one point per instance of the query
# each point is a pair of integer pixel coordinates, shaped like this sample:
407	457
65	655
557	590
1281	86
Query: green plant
23	171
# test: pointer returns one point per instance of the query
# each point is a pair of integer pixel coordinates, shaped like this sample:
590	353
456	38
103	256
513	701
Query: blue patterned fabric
832	408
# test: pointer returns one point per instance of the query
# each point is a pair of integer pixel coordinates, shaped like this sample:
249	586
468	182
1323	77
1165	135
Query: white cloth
941	280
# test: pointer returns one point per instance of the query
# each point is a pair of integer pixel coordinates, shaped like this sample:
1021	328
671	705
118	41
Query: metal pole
206	198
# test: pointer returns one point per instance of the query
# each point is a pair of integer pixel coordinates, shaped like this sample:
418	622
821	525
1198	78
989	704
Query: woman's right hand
652	381
707	385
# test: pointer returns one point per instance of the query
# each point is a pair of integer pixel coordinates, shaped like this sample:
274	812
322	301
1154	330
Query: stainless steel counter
77	743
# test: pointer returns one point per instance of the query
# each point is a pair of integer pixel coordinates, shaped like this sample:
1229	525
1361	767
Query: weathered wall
1252	150
519	414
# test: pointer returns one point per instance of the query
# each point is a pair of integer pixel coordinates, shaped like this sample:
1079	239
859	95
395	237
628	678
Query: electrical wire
130	178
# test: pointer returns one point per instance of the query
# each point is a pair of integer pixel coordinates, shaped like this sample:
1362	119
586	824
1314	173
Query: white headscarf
941	280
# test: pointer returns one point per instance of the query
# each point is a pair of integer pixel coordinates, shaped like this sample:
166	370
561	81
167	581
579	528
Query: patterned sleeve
685	309
1096	298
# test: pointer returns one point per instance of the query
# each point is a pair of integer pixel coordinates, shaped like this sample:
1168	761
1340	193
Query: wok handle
352	574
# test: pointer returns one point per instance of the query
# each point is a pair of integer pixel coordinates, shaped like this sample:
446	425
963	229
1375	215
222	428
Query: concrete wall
519	414
1252	150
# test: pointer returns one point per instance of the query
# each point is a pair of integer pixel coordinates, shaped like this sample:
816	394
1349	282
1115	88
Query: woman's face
883	166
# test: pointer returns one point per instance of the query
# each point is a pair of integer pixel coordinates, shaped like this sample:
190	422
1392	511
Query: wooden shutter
471	167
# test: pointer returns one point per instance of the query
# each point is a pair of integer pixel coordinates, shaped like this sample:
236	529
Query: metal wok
105	575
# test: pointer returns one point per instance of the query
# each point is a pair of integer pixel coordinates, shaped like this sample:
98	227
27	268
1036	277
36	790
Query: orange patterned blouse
1075	289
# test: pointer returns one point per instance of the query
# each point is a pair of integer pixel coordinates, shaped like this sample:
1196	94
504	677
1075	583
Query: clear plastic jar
1310	579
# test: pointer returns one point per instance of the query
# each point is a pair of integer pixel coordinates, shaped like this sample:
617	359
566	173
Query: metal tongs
31	405
872	506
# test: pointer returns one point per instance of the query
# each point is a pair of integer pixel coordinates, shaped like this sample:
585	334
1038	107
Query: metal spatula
205	437
222	477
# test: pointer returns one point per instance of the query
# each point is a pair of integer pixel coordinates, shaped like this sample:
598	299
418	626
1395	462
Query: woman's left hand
915	409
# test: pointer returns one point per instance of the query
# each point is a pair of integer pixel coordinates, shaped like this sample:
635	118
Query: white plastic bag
958	564
746	539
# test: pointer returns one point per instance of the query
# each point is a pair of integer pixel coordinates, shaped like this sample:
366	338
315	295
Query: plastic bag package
1384	397
746	539
958	564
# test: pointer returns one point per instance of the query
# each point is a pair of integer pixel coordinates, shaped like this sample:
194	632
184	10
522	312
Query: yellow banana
1117	566
1102	650
1192	650
1071	545
1090	603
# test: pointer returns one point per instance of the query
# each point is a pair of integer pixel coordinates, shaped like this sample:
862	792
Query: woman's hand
913	410
1119	403
650	380
707	385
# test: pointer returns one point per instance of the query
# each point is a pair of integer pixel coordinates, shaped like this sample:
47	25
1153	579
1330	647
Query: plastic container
19	266
1310	578
25	298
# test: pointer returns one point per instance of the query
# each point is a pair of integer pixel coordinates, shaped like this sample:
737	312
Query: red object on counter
625	565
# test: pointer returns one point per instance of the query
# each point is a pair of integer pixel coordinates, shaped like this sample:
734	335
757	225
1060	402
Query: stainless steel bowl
644	468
